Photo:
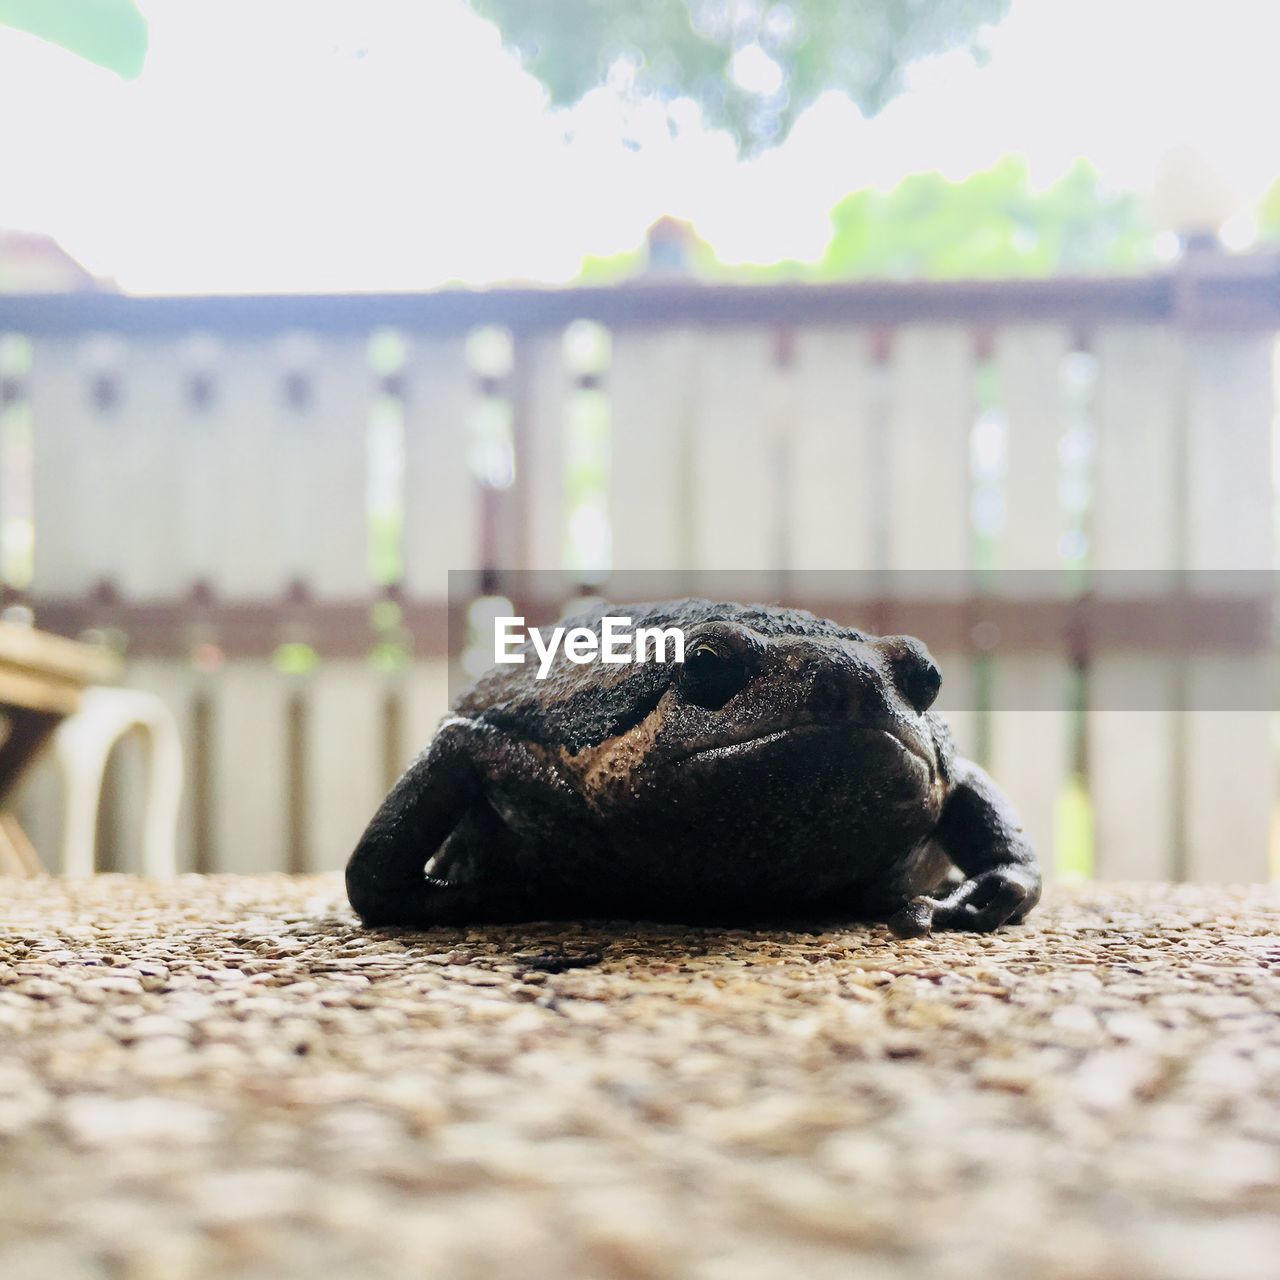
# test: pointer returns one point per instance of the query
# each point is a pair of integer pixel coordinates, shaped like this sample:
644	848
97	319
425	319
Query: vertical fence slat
250	767
344	758
208	531
335	471
72	550
832	483
696	446
737	454
1029	727
927	479
441	513
1230	784
292	429
140	441
544	404
91	403
247	470
653	393
931	414
427	695
1132	719
441	503
328	472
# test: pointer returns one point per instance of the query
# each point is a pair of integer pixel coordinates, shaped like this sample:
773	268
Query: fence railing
260	499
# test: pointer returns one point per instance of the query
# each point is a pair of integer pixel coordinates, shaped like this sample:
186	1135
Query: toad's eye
711	674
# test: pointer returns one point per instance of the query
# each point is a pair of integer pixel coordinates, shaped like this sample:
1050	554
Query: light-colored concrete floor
227	1077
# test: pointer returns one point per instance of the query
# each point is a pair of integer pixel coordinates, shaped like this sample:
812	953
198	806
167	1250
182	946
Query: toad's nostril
837	690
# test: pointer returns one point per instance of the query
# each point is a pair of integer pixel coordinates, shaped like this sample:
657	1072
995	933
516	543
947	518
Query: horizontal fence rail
260	500
1076	626
1212	292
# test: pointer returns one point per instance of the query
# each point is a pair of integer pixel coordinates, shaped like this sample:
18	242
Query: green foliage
1269	212
295	659
992	224
111	33
612	269
702	261
1073	831
685	48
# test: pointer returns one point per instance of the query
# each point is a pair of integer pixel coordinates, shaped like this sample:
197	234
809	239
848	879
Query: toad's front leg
981	833
442	790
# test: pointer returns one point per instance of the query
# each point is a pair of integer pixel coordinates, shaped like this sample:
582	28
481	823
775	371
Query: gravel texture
227	1077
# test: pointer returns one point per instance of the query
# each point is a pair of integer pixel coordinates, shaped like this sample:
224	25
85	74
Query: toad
788	768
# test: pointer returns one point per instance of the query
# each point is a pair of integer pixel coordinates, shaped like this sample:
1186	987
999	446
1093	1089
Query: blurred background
957	318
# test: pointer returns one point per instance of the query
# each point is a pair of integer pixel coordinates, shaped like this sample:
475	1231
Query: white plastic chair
82	745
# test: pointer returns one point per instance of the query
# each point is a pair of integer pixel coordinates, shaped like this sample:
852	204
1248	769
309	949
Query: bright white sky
376	144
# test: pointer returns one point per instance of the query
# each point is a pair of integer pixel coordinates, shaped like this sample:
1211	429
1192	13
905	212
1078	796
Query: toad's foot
1002	895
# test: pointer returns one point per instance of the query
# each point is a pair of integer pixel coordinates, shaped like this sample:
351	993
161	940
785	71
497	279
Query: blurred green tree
1269	212
752	65
993	224
111	33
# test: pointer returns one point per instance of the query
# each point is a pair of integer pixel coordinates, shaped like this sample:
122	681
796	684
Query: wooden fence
261	498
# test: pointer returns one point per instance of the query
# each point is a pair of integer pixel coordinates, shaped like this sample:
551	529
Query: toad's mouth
761	743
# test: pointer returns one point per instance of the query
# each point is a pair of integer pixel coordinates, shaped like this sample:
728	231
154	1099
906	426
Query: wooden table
42	677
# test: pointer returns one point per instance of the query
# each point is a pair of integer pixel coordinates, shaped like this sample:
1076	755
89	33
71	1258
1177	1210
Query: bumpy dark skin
789	769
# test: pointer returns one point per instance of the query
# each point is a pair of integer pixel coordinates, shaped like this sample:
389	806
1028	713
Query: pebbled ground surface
226	1077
